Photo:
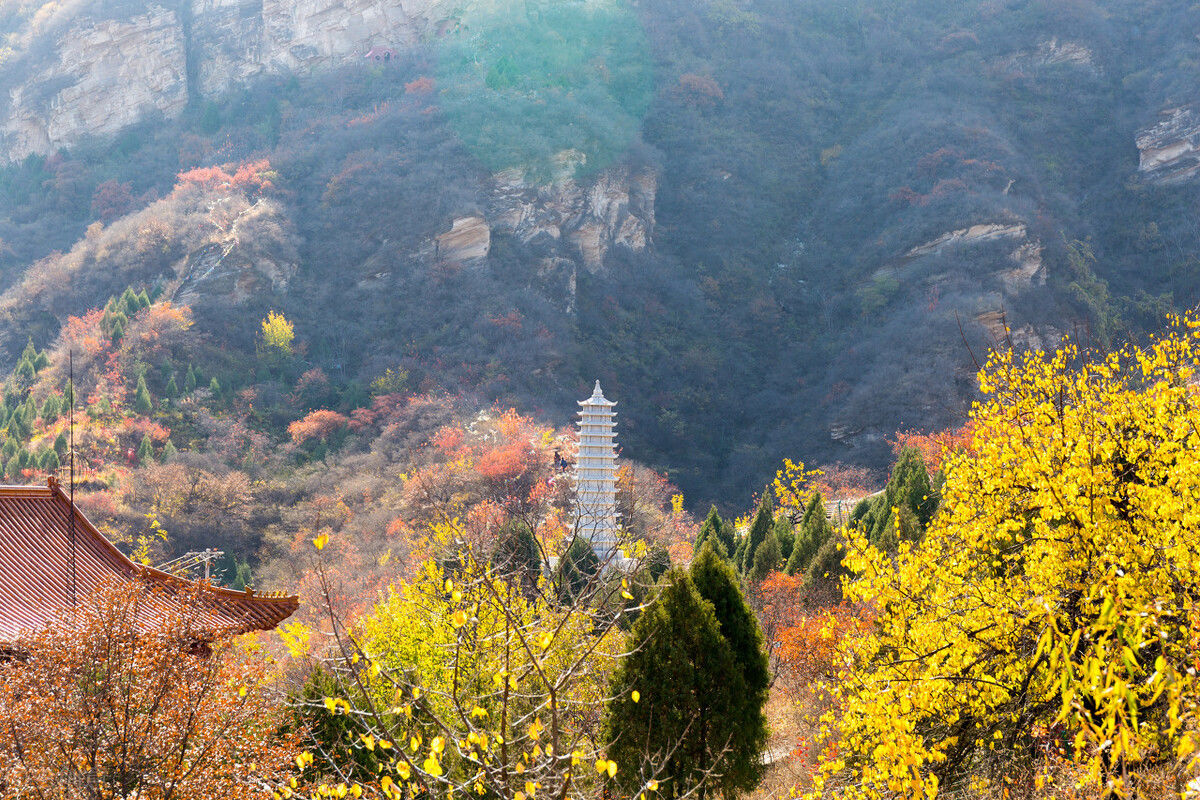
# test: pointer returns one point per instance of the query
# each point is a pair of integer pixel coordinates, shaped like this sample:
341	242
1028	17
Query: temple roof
597	398
36	571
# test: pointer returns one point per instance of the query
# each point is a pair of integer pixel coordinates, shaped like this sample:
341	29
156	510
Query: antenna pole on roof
71	424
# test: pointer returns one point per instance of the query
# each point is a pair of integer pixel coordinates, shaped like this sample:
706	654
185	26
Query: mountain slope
771	229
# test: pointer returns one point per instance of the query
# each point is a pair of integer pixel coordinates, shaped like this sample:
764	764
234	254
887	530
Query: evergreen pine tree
12	470
658	561
739	552
48	461
907	488
129	302
825	571
50	409
766	559
692	699
215	387
10	448
814	531
172	389
141	398
24	371
785	532
517	552
576	568
168	451
118	330
69	396
763	522
717	582
189	380
30	352
18	428
60	445
41	361
145	450
710	531
143	299
729	537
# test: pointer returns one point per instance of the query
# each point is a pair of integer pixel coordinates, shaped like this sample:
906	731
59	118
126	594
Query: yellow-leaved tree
278	333
483	676
1047	625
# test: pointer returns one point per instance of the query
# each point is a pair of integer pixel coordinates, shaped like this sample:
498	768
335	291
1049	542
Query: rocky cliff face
576	223
1170	149
101	74
587	217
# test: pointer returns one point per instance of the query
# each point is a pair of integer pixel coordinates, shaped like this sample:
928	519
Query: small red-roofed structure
51	556
380	53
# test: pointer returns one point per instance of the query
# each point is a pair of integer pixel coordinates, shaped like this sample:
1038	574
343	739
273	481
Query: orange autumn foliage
319	424
251	176
934	446
504	463
806	648
104	705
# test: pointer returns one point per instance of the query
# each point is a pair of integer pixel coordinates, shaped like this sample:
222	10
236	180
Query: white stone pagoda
596	475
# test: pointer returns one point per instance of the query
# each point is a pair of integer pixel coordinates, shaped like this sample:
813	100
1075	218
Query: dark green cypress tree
142	403
214	386
763	522
767	559
517	552
12	470
24	372
60	445
658	561
30	352
172	389
118	329
145	450
69	396
50	409
785	532
189	380
18	428
717	582
41	361
168	451
143	299
814	531
577	568
712	524
692	700
825	571
908	488
129	302
739	552
10	448
48	461
729	537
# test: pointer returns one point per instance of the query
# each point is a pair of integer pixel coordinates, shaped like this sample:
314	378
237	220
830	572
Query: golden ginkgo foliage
1051	610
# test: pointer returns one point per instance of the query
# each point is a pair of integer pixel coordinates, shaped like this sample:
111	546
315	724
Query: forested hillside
769	228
